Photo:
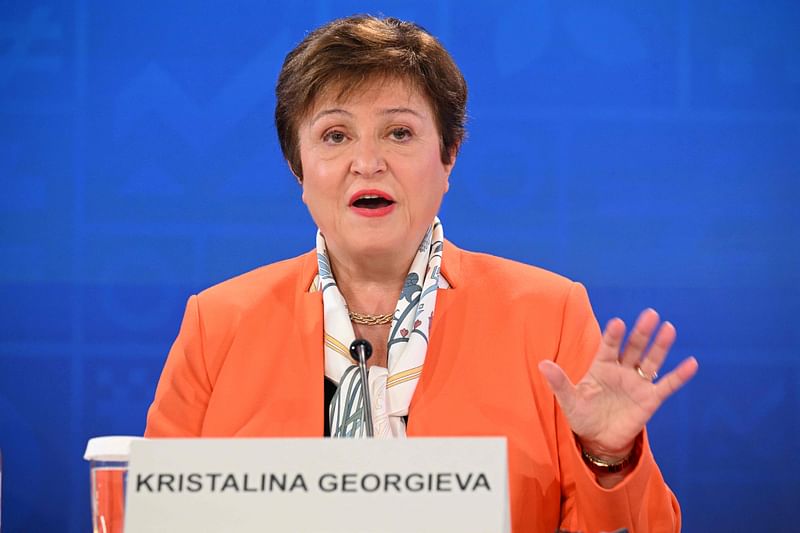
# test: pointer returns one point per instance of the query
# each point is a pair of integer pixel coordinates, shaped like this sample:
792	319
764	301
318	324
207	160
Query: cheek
437	180
313	197
320	195
322	173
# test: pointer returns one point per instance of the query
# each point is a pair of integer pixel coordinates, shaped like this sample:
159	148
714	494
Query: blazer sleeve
184	388
641	502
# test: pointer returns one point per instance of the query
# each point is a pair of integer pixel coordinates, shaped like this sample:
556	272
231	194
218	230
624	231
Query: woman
370	115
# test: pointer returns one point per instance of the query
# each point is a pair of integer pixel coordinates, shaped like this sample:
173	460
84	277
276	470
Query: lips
372	203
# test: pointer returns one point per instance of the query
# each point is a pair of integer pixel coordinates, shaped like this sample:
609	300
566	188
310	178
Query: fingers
611	341
560	384
665	337
639	337
669	384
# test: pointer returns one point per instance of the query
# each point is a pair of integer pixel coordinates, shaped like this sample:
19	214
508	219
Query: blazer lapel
444	336
309	330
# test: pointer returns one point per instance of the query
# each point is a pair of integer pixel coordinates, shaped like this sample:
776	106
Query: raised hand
611	404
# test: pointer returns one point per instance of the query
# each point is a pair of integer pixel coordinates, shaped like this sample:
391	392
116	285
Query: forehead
378	92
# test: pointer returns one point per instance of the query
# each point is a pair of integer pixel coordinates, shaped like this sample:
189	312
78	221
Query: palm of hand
611	404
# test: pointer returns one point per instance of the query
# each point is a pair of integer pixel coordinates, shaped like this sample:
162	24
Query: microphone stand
361	350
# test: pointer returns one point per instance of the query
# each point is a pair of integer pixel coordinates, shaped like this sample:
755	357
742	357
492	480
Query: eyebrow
390	111
326	112
400	110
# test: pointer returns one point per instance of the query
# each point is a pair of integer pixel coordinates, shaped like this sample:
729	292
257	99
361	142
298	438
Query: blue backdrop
648	149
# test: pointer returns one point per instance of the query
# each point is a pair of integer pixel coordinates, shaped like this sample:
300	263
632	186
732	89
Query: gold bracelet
601	466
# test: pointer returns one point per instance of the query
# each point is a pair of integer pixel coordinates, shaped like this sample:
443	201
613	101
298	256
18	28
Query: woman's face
373	178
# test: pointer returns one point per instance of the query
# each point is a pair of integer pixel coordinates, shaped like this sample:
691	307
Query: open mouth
371	201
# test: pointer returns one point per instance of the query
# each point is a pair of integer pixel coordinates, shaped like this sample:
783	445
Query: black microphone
361	350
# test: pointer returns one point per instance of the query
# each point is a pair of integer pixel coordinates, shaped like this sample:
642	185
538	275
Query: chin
375	246
380	244
377	241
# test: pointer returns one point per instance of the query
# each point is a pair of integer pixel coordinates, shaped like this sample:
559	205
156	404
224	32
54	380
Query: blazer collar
308	271
451	264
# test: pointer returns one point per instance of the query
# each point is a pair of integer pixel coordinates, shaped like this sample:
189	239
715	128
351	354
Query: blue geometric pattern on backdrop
650	150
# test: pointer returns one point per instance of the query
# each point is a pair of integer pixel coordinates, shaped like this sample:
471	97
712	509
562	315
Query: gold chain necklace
370	320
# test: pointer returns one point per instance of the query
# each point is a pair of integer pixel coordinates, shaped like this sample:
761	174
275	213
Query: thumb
559	383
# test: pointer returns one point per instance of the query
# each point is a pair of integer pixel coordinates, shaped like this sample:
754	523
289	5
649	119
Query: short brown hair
348	52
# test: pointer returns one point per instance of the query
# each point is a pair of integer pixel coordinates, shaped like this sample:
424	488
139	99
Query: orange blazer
248	362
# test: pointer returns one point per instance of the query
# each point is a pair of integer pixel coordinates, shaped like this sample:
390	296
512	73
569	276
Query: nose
368	158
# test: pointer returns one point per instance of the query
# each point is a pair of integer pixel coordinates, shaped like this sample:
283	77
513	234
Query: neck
370	285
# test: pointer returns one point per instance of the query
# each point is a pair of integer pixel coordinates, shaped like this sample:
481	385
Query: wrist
604	461
606	455
602	466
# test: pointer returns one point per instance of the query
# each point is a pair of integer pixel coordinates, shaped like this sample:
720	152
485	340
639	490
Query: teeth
369	197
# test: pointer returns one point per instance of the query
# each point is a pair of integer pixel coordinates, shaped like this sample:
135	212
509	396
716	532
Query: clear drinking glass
108	471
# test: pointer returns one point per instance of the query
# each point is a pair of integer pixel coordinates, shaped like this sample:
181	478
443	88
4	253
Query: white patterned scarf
390	389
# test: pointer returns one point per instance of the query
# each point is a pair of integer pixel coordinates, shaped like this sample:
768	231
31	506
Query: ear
297	176
449	167
299	179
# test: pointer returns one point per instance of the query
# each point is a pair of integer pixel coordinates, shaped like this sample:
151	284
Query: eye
334	137
400	134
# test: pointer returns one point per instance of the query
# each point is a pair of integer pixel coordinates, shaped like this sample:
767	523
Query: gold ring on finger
652	377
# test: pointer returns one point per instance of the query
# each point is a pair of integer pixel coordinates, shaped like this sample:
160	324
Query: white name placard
315	485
